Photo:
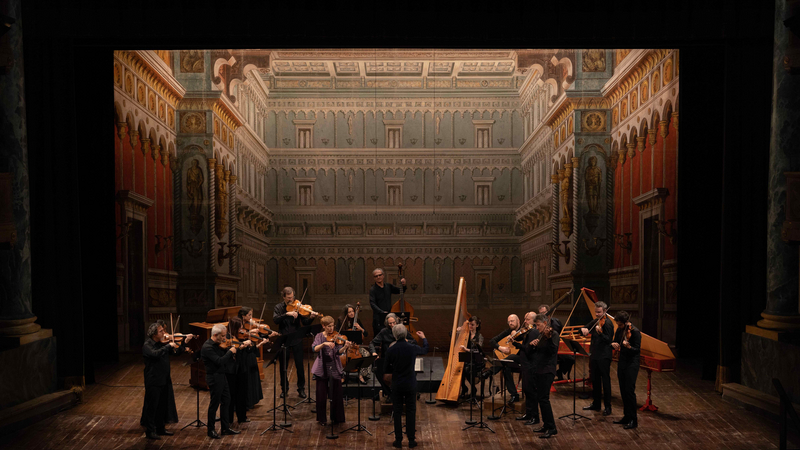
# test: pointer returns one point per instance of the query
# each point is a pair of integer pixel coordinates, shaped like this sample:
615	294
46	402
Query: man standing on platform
288	322
217	360
380	298
157	382
399	372
513	325
526	359
600	359
544	363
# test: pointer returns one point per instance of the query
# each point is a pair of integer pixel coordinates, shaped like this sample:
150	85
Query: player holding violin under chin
290	316
602	331
328	369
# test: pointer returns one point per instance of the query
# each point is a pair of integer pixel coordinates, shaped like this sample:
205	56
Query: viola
336	338
229	342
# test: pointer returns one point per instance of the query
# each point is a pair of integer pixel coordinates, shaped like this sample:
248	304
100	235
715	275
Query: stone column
212	219
232	189
782	312
17	321
554	178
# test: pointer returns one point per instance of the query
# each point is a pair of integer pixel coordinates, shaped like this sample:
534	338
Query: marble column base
781	323
764	359
29	371
17	327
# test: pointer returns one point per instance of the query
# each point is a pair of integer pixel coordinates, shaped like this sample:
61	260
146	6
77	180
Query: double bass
404	310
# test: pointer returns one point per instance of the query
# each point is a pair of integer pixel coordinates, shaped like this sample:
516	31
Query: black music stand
494	363
430	400
480	423
472	357
510	364
576	348
375	416
358	364
328	372
273	360
310	331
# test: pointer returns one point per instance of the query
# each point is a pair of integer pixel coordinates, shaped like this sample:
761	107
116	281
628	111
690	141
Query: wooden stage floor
691	416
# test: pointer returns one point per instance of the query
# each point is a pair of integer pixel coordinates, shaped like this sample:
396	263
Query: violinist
159	398
513	325
475	345
602	331
216	360
348	321
380	298
328	371
237	373
565	362
172	411
288	322
254	392
526	362
544	371
628	341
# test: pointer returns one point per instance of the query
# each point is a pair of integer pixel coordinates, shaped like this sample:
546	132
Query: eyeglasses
378	275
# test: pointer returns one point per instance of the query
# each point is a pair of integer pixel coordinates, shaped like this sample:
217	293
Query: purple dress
328	384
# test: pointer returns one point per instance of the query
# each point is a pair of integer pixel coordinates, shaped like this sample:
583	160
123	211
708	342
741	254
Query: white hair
377	270
218	329
399	332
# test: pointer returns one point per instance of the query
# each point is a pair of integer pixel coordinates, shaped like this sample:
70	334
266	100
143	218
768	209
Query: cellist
380	298
602	333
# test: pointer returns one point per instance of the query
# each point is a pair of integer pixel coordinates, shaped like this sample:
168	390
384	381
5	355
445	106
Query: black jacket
216	359
601	342
156	361
288	324
383	340
380	298
526	350
544	355
400	360
499	338
629	355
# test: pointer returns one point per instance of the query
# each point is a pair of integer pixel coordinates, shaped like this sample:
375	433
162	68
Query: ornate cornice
163	84
395	251
635	74
216	102
391	158
384	104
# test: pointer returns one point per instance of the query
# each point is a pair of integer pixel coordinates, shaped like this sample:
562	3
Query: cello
404	310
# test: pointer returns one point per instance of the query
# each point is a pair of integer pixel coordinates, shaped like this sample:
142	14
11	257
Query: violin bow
173	328
262	313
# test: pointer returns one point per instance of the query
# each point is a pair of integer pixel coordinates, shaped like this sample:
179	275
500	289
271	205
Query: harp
450	388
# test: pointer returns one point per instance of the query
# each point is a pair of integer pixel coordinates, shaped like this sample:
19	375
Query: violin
336	338
297	305
228	343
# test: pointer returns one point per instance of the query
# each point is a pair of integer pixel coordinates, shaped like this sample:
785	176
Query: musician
289	322
513	325
254	391
475	345
238	373
565	362
383	340
380	298
172	410
351	322
399	371
157	381
328	370
216	361
544	371
628	367
526	362
600	359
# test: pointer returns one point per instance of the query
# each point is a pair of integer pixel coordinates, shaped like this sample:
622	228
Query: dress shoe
525	417
151	435
283	394
533	421
301	393
591	407
246	419
548	433
607	412
229	432
623	421
397	444
631	424
514	398
213	434
412	443
164	433
540	429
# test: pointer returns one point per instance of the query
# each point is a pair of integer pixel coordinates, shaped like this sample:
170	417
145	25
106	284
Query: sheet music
418	364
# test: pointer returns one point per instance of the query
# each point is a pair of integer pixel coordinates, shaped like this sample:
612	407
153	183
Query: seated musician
351	322
511	387
628	367
543	356
328	371
475	345
531	416
565	362
382	341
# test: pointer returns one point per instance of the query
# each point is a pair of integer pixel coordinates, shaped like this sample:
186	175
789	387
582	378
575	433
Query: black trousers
565	363
220	395
155	407
238	385
529	389
337	399
508	374
543	383
470	372
407	397
627	373
296	352
601	381
377	322
387	389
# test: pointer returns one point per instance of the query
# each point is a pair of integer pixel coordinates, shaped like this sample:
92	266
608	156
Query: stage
690	416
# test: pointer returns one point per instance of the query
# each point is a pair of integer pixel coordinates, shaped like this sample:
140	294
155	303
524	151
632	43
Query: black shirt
526	350
545	355
380	298
400	360
216	359
601	342
500	337
629	355
383	340
288	324
156	361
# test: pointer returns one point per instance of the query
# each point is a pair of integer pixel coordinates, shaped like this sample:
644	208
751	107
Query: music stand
491	383
358	364
273	358
510	364
471	357
480	423
576	348
430	400
403	317
312	330
375	416
284	360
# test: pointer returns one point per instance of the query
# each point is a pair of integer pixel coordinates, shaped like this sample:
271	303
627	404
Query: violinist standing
600	359
237	373
544	358
254	391
216	360
526	362
380	298
157	381
329	372
565	362
172	410
628	367
289	322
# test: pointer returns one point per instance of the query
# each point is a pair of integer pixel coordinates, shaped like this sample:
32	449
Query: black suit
380	300
544	359
526	355
628	370
400	360
294	348
157	385
600	363
217	361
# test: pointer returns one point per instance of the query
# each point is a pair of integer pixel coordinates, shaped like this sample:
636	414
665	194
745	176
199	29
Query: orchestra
229	357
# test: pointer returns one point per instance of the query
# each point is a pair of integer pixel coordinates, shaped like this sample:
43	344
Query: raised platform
424	383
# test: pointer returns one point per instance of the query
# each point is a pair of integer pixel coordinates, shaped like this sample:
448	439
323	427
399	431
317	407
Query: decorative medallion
193	122
593	121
